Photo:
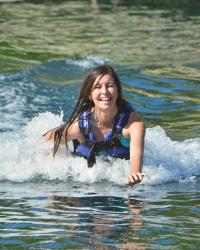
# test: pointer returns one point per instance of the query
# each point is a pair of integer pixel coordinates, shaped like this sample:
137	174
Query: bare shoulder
135	119
135	125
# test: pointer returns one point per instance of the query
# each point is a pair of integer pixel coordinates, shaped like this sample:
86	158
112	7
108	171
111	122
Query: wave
26	93
24	157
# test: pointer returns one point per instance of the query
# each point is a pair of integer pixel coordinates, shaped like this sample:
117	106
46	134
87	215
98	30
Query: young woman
103	123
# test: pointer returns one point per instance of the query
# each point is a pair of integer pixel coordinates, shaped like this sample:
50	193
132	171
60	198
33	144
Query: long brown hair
84	103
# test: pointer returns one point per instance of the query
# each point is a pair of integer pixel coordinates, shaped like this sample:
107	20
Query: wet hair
84	103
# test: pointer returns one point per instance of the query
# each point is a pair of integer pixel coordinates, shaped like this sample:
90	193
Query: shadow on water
111	221
100	221
88	221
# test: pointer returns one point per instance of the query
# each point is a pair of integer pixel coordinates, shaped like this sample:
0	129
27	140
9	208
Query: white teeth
105	99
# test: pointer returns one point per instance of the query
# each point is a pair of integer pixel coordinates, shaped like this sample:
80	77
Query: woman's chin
106	106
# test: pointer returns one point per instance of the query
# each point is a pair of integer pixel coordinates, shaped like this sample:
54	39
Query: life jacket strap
91	160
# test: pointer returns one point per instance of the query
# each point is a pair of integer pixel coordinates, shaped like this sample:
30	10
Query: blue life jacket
111	146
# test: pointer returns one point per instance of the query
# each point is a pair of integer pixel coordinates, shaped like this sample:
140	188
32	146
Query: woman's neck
105	118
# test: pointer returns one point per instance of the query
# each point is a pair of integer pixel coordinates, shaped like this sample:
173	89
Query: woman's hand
135	178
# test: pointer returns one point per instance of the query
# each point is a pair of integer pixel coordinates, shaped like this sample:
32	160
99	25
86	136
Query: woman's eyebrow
97	83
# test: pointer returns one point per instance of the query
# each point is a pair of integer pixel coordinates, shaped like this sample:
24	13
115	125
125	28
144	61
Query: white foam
167	160
89	61
24	156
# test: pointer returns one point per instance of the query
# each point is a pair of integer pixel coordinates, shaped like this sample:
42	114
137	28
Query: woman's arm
72	133
137	132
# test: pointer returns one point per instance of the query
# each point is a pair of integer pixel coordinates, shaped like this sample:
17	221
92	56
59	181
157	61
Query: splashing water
25	157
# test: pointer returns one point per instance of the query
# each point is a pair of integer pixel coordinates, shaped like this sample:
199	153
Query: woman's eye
97	86
108	85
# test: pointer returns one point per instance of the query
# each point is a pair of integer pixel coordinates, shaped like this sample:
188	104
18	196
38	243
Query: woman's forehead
103	79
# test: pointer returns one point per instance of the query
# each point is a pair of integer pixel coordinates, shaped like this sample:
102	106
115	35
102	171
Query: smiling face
104	93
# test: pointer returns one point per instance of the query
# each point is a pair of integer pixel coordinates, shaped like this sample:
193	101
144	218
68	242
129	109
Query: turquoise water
46	49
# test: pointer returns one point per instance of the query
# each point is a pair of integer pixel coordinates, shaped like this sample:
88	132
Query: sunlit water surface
46	49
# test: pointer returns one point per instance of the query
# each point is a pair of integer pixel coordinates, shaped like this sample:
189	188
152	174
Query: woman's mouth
105	99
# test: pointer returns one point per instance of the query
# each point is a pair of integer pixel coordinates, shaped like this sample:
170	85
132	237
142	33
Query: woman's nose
104	89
